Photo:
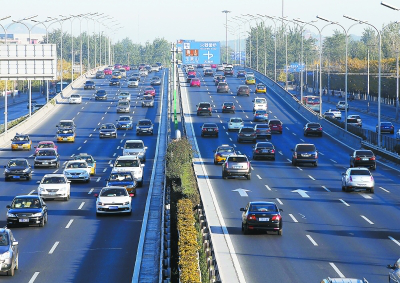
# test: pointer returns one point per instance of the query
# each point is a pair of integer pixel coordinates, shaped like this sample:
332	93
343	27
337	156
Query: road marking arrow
242	192
302	193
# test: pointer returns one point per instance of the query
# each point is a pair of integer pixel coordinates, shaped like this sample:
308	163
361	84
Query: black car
305	153
114	81
204	108
100	75
222	87
264	150
228	107
144	126
101	94
312	129
220	79
208	73
243	90
108	130
16	169
363	158
241	74
209	129
247	133
261	215
27	210
89	85
47	157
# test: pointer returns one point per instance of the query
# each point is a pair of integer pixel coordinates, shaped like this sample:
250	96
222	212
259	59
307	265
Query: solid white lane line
395	241
31	192
365	196
90	135
293	218
285	127
33	278
98	179
227	133
69	223
82	204
121	141
345	203
79	148
268	188
312	240
336	269
53	248
91	190
109	162
333	160
94	130
325	188
278	200
366	219
258	176
299	168
114	154
253	169
384	190
247	117
311	177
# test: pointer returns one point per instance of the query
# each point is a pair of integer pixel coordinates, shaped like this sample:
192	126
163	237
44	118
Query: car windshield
228	103
386	124
237	159
113	193
147	98
46	145
357	172
108	127
89	83
124	119
149	89
274	122
121	177
209	125
25	203
64	131
74	165
21	138
352	120
237	120
261	112
4	239
46	153
263	207
144	123
127	163
261	126
314	125
259	101
75	95
222	84
101	91
66	124
225	149
123	103
130	145
54	180
250	78
243	88
17	163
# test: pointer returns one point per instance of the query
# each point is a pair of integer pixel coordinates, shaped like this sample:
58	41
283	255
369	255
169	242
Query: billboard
296	67
201	52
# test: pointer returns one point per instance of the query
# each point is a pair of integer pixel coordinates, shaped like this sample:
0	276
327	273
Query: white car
124	96
77	170
133	82
359	121
358	178
75	99
155	68
53	186
235	123
113	200
143	72
341	105
260	103
135	147
336	113
130	163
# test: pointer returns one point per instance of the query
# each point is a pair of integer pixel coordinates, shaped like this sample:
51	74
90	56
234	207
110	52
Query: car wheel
140	184
343	188
315	164
373	167
273	158
320	135
88	180
372	190
245	229
224	175
41	224
254	157
11	272
17	262
215	162
248	176
216	135
293	163
6	179
351	165
280	232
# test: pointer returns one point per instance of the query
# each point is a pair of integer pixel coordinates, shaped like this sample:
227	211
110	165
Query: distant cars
228	71
9	252
114	81
89	160
236	165
219	79
235	123
208	72
144	126
222	87
305	153
123	106
113	200
246	133
108	130
66	124
363	158
358	179
386	127
66	135
264	150
124	95
148	101
261	88
133	82
243	90
125	122
204	108
16	169
352	122
228	107
250	80
100	75
45	144
275	125
261	215
195	82
222	152
344	280
132	164
75	99
136	148
241	74
337	114
107	71
155	81
89	85
209	129
357	117
27	210
54	186
47	157
21	142
262	130
101	94
329	115
394	273
312	129
341	105
116	74
190	77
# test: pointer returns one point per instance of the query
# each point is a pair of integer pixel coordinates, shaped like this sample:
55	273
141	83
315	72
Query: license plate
210	130
247	135
16	177
52	193
113	207
237	167
45	163
20	146
107	134
23	220
64	139
365	159
265	151
263	219
361	185
306	155
75	176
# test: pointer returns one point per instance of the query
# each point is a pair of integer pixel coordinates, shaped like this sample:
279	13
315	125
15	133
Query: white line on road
384	190
234	145
85	141
114	154
34	277
98	179
69	223
247	117
312	240
31	192
394	240
288	160
285	127
79	148
258	176
54	247
91	190
102	118
311	177
105	169
345	203
302	140
280	152
294	134
109	162
82	204
333	160
227	133
293	218
278	200
365	196
321	153
90	135
299	168
366	219
268	188
336	269
325	188
121	141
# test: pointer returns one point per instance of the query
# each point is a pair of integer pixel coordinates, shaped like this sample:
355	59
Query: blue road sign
296	67
201	52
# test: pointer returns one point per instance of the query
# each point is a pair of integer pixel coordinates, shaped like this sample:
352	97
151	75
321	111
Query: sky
200	20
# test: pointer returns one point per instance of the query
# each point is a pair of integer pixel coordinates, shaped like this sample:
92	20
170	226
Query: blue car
260	116
124	123
123	179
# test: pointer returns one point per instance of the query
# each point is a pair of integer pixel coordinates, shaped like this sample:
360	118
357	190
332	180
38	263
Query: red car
195	82
191	72
150	91
117	66
107	71
126	67
45	144
275	125
214	66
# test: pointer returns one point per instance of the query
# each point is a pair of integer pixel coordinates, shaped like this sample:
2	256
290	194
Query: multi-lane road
326	232
75	245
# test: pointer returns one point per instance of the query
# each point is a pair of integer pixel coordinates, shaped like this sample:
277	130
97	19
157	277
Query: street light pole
5	97
226	32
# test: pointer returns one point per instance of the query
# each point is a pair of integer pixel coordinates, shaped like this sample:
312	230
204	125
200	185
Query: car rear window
352	120
247	130
275	122
364	153
263	207
305	148
238	159
210	125
265	126
236	120
264	145
360	172
314	125
204	105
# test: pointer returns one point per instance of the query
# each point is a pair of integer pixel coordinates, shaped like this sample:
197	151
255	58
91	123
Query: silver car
123	106
358	179
8	252
235	124
148	101
135	147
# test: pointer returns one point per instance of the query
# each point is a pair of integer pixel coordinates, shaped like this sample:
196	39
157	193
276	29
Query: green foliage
179	154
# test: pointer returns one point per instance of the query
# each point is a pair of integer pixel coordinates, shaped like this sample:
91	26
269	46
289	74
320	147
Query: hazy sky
201	20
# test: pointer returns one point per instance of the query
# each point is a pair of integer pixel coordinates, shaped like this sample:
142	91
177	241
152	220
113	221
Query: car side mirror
142	165
8	206
280	209
242	209
15	243
37	182
96	195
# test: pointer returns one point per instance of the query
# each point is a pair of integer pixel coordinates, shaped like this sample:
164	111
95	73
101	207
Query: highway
75	245
326	232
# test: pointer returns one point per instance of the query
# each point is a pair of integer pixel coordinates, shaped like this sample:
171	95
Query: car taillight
358	158
276	218
252	217
308	129
372	158
216	129
316	155
272	150
248	164
295	155
320	129
258	131
224	107
204	129
257	151
372	179
209	108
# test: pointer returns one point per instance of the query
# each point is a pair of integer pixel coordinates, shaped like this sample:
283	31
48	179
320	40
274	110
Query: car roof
127	157
27	196
19	159
262	202
134	141
54	175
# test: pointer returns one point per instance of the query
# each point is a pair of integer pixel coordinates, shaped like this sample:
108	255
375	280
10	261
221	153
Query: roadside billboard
201	52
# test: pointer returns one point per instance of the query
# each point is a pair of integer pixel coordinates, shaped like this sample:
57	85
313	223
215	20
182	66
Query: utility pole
226	32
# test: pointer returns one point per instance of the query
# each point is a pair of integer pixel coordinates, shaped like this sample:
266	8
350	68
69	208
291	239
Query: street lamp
247	21
275	35
5	97
379	72
257	27
226	32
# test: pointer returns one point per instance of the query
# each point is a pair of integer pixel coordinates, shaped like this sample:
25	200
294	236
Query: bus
312	102
58	86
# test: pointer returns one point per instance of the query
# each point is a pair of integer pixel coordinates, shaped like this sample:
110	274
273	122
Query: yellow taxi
21	142
261	88
250	80
116	75
222	152
89	160
66	135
